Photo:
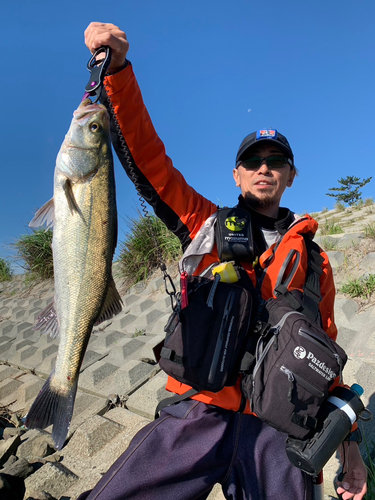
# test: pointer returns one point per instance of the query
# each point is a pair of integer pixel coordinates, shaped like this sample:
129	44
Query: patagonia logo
235	224
267	133
320	367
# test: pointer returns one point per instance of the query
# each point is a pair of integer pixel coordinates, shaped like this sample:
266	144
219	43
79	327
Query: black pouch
296	364
205	340
234	235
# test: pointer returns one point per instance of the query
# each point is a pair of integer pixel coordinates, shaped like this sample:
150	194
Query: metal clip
98	70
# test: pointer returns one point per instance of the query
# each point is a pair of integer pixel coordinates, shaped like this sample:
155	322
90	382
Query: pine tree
349	192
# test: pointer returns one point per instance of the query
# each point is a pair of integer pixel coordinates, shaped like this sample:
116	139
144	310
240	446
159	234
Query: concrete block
142	306
52	478
93	435
123	321
26	393
138	288
345	310
108	338
9	372
4	312
4	348
85	406
157	328
132	375
368	262
18	313
8	387
350	239
125	349
22	355
7	327
144	400
155	284
95	377
92	357
146	352
47	365
336	258
131	299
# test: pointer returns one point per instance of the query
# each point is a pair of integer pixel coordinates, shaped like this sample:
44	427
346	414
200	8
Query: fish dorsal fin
112	303
44	216
47	321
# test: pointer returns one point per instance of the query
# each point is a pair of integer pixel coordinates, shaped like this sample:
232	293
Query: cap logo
267	134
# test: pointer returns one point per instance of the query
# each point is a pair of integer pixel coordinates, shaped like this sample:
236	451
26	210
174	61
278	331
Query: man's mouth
263	183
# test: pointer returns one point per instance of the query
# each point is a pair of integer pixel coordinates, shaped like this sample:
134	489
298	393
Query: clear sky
211	72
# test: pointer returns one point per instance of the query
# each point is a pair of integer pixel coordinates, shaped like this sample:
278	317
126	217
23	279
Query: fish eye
94	127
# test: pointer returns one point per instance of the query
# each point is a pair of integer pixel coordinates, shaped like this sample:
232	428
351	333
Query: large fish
84	219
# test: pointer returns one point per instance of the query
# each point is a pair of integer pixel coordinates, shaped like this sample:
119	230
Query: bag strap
173	400
311	289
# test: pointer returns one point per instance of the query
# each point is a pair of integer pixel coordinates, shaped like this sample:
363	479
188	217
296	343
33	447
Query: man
212	437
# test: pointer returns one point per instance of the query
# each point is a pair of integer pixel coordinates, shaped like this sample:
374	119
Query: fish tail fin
51	408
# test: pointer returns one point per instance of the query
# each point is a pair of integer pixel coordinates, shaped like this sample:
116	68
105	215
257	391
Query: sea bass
84	219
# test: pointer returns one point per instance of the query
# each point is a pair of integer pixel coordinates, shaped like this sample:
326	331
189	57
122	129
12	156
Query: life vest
285	262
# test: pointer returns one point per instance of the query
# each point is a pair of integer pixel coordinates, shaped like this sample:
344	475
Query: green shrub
35	252
370	230
330	227
148	243
369	201
5	270
340	206
362	287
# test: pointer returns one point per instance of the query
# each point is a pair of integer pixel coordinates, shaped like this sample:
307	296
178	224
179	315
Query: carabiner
97	70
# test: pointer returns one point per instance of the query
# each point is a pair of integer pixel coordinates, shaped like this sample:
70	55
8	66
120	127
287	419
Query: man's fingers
99	34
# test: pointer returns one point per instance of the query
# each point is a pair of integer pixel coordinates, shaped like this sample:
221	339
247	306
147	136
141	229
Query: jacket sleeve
176	203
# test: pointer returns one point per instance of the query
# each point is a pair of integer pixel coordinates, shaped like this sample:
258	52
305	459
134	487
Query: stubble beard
259	203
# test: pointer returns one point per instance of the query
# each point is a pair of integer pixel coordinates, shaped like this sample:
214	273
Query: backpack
296	362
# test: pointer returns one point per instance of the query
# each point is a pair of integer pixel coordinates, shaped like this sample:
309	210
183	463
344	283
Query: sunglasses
276	161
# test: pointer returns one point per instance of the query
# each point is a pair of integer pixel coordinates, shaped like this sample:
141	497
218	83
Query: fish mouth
88	108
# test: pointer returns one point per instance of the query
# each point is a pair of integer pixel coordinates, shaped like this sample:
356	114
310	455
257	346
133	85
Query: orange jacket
184	211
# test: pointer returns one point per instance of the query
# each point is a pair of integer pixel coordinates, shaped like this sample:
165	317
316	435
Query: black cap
270	135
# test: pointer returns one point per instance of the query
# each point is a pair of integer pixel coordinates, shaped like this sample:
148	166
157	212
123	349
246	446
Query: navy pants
193	446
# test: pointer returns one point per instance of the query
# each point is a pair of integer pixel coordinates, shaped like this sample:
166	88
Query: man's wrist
120	68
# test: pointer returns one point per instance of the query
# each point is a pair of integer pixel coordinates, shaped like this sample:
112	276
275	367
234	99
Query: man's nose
263	169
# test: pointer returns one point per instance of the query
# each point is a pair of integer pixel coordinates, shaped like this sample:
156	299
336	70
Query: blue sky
211	72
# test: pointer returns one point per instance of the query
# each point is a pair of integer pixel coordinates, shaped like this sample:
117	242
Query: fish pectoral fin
44	216
53	408
47	321
112	303
73	207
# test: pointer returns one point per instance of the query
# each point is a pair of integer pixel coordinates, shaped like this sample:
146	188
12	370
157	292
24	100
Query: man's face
263	188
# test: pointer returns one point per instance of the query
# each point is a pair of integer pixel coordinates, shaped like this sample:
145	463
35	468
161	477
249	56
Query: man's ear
236	177
292	175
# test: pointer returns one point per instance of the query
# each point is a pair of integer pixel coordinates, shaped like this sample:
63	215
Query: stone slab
54	478
144	401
